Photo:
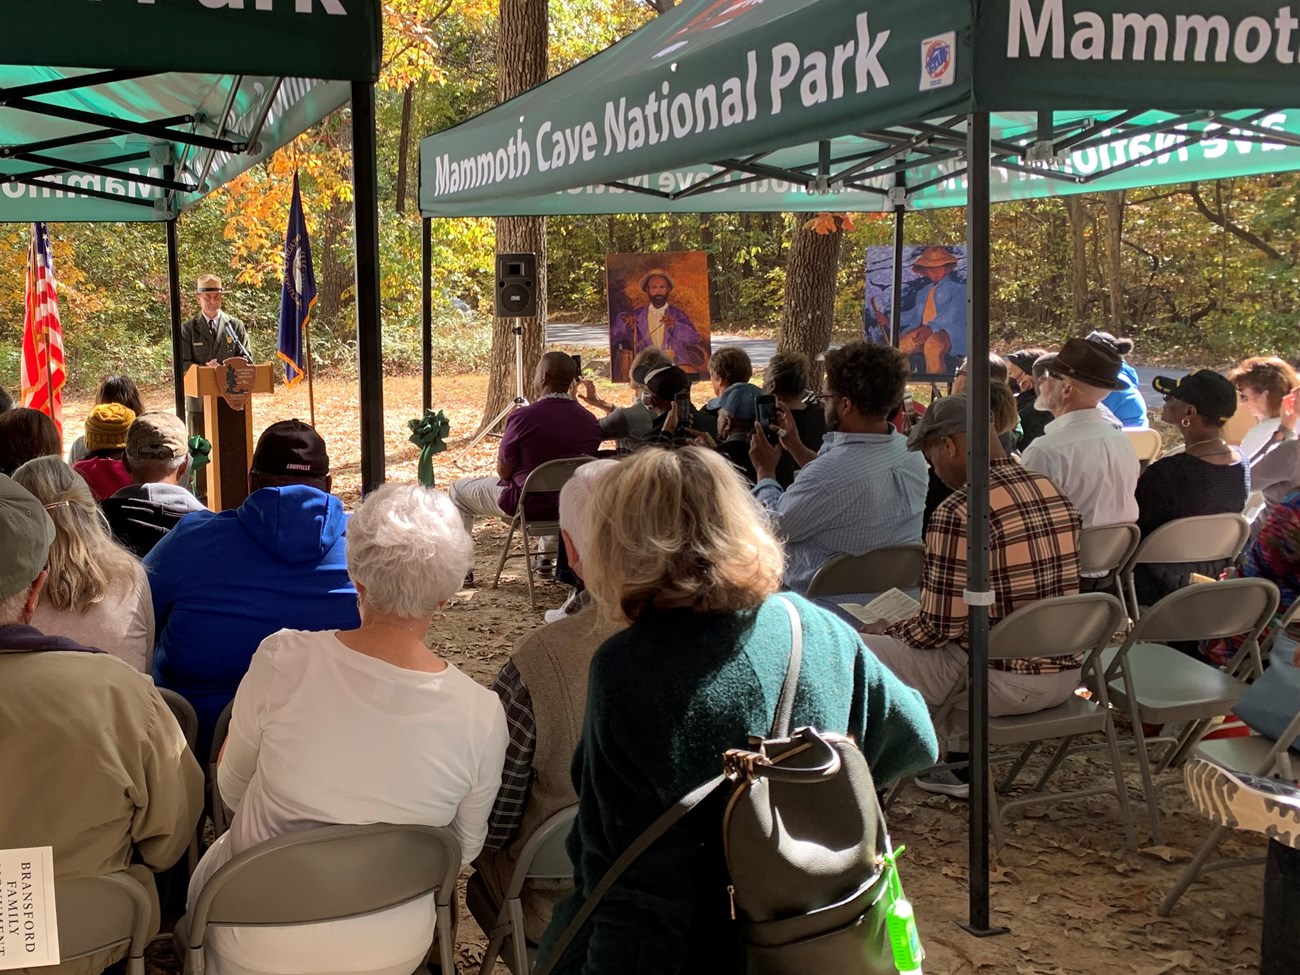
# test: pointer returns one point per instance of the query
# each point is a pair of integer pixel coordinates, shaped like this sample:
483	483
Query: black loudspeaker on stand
516	286
515	298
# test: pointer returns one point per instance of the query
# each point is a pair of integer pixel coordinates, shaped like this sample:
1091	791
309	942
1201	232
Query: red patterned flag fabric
43	370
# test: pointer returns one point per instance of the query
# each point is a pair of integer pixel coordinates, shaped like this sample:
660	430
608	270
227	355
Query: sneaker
576	601
1268	806
469	580
944	782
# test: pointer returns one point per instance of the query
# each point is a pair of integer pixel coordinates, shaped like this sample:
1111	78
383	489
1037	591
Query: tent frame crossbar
94	135
114	124
917	146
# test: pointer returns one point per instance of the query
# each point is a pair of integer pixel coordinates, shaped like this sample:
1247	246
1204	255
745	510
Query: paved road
760	351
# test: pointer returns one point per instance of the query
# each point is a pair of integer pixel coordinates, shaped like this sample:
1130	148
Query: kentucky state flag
298	294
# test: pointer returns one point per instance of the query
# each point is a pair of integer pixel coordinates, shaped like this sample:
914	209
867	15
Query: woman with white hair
361	726
679	552
97	593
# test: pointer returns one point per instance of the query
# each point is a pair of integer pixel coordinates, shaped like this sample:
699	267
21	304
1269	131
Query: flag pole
311	377
45	341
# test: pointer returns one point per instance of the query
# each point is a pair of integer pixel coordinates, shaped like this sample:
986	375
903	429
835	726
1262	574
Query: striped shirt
1033	554
863	491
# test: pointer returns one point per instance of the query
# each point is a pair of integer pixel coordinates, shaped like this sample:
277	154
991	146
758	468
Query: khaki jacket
94	765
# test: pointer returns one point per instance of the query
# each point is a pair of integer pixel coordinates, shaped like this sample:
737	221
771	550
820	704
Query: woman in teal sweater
680	552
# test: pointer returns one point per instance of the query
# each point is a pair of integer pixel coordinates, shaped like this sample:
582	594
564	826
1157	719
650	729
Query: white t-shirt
321	734
1094	465
121	623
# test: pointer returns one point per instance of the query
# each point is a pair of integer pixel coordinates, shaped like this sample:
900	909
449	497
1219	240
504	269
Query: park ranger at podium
208	339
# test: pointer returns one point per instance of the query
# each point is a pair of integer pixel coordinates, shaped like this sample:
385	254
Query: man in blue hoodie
222	582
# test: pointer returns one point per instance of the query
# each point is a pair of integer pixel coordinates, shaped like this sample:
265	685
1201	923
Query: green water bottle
900	921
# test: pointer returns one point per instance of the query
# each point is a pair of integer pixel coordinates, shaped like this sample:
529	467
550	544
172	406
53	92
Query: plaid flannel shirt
1033	554
517	773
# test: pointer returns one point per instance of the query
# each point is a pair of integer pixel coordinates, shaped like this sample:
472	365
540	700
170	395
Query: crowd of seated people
309	625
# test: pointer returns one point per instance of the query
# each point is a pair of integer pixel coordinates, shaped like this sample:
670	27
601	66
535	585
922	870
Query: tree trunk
403	147
1074	208
1114	257
809	308
521	64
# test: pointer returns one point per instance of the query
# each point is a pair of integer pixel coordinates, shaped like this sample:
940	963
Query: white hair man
157	457
1093	463
93	763
543	687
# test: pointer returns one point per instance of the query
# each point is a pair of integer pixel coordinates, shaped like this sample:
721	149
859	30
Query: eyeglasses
823	397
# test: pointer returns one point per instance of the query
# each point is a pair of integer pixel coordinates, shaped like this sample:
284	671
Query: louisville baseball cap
291	448
1213	395
157	436
26	533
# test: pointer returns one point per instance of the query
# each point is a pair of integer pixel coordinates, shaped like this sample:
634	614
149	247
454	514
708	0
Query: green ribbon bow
427	433
200	456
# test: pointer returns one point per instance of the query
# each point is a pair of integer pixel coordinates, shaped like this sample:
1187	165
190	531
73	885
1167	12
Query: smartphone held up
765	417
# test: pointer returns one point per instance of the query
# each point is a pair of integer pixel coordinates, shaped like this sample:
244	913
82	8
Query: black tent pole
896	287
174	296
426	295
370	365
978	596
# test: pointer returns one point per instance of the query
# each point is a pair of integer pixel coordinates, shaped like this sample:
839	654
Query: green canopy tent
724	105
134	111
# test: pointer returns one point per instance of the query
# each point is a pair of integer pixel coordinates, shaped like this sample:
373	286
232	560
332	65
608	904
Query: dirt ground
1075	900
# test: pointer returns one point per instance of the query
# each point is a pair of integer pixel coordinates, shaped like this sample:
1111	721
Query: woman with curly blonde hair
679	552
96	592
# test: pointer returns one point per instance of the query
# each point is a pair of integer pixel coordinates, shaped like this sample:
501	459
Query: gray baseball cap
945	418
26	533
157	436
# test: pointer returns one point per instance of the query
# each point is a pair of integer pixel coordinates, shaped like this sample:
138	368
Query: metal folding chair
1108	549
327	873
1205	538
98	913
547	478
1055	627
895	567
543	857
1157	684
1256	755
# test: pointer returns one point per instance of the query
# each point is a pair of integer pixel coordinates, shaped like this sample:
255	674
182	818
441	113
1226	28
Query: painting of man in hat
659	300
932	318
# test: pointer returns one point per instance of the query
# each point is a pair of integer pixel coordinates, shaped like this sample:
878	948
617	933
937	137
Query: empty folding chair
327	873
1157	684
895	567
543	857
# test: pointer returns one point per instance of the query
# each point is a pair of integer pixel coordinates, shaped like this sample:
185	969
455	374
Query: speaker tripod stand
518	401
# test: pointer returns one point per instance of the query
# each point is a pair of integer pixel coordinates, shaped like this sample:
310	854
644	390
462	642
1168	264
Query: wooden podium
229	430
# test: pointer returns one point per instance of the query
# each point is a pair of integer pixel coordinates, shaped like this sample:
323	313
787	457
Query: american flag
43	368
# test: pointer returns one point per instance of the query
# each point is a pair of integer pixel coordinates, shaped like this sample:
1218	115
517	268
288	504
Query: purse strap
785	706
667	819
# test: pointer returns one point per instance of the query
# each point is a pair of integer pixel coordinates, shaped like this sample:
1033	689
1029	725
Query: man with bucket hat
661	324
1093	463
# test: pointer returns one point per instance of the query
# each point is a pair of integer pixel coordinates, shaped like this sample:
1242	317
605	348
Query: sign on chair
29	930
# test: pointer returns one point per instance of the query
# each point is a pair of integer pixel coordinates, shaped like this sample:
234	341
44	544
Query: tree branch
1241	233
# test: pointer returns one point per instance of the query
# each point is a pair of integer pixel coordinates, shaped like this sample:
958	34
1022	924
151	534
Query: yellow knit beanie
106	427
